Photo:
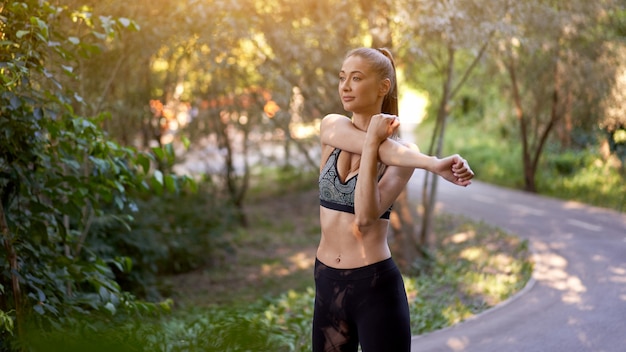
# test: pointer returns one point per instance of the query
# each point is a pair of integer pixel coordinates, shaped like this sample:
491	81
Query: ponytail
390	102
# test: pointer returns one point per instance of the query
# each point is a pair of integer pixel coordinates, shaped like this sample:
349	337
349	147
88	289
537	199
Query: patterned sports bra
337	195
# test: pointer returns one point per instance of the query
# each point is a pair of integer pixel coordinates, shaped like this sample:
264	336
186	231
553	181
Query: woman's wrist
431	164
372	139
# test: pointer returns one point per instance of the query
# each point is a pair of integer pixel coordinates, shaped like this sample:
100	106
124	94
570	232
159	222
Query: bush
59	173
169	234
278	324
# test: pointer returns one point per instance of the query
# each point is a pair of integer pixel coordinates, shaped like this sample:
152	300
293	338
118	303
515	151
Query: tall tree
614	104
448	39
546	55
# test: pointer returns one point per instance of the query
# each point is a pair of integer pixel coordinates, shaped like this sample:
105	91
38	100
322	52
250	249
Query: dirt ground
274	254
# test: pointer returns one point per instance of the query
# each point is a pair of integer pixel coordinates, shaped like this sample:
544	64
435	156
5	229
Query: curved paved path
576	300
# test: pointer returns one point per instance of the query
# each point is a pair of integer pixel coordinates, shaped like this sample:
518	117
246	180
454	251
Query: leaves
59	175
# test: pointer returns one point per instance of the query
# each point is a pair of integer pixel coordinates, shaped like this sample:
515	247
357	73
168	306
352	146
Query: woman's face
360	88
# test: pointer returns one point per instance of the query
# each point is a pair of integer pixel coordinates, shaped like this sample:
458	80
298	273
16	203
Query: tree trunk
555	116
530	157
429	190
529	178
403	217
235	186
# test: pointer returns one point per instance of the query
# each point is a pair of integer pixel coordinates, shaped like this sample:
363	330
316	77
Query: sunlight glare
412	106
472	253
550	268
573	205
301	261
458	344
297	262
460	237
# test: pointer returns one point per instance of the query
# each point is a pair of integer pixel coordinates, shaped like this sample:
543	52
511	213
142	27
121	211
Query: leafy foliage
171	233
84	219
59	175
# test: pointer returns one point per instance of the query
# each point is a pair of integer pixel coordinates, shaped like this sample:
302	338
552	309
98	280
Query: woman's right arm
339	132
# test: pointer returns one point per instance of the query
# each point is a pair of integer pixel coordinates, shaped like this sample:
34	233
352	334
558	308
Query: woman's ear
385	86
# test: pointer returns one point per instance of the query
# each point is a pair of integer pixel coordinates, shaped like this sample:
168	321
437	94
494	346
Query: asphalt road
576	300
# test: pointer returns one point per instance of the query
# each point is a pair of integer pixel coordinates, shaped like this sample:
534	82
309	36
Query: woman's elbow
362	222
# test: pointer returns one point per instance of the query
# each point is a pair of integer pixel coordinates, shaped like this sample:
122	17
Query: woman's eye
356	78
341	78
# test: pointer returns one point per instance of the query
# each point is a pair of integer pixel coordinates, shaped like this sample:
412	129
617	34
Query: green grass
475	267
591	181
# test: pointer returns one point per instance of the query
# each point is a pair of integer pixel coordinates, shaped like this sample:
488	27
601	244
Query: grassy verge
475	267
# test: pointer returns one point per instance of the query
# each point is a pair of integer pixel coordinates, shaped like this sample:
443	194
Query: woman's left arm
366	194
372	198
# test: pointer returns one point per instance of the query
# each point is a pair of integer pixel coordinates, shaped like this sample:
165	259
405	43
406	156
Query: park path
576	299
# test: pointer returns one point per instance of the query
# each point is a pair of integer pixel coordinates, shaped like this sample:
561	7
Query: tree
614	104
450	38
261	68
546	56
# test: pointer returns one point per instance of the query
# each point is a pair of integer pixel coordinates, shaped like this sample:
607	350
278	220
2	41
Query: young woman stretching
359	292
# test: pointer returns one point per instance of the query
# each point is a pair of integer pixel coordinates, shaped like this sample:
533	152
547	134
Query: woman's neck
361	120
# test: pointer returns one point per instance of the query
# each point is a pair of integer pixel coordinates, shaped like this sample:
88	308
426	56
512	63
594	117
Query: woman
360	296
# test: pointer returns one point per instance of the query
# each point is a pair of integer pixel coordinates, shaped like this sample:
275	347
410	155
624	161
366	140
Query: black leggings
366	305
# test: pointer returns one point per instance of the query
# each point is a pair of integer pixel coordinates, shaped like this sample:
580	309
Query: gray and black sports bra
335	194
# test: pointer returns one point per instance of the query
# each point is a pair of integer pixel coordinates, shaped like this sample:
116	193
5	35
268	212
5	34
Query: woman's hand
382	126
454	169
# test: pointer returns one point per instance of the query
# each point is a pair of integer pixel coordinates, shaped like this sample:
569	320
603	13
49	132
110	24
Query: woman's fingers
461	169
384	124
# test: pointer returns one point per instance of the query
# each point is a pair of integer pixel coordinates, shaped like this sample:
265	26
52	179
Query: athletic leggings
366	305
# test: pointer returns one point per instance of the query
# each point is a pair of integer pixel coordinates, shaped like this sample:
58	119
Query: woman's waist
355	273
353	254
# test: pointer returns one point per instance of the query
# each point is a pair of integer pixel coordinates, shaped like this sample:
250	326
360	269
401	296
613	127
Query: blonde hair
383	64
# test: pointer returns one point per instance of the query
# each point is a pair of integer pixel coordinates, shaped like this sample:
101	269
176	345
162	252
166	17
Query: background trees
442	44
556	77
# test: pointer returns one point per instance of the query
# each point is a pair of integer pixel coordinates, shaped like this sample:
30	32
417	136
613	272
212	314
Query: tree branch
471	67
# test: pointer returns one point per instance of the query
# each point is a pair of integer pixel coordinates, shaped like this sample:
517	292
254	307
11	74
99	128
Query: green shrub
278	324
169	234
59	174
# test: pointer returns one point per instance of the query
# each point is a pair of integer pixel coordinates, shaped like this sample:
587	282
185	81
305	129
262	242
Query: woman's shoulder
334	118
330	124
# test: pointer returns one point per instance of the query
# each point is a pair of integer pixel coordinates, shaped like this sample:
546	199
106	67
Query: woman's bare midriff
342	246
